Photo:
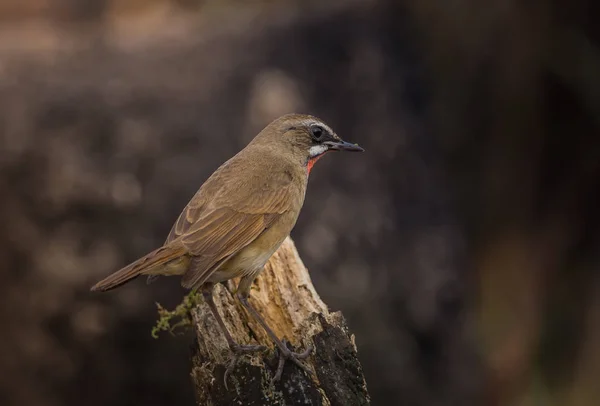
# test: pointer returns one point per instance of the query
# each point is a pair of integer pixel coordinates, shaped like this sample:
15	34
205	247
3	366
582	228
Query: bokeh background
463	246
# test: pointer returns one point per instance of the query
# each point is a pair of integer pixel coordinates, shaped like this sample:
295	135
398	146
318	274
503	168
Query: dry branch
285	296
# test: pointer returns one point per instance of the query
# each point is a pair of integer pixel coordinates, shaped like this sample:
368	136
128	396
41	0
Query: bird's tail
147	265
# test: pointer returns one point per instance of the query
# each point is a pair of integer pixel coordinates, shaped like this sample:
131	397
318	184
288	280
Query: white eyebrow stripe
308	123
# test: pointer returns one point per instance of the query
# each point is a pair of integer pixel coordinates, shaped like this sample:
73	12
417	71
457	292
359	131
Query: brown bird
239	218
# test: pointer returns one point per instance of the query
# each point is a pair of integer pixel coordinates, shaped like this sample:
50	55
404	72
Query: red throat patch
311	162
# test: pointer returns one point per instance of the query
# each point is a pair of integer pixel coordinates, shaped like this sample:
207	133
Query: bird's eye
317	132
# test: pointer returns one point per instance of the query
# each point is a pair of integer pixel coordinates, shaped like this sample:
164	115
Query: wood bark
286	298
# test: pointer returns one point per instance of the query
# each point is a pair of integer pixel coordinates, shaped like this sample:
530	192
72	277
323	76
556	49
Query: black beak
339	145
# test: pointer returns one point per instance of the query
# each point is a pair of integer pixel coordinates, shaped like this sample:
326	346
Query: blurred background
463	246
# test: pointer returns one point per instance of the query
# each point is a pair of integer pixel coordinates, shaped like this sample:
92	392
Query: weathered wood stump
285	296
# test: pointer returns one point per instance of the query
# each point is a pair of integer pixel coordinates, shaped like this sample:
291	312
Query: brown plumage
154	263
241	215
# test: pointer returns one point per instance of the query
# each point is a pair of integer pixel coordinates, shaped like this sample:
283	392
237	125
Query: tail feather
147	265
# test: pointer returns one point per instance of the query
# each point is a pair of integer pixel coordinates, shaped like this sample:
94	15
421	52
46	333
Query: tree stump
286	298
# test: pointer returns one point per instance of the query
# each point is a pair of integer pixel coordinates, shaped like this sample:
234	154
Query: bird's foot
238	351
286	354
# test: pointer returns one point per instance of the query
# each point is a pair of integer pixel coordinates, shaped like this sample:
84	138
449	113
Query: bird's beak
339	145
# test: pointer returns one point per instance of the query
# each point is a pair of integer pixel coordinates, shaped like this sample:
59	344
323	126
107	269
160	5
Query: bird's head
304	137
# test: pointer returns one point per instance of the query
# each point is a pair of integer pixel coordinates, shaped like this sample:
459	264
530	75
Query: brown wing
228	213
221	235
188	217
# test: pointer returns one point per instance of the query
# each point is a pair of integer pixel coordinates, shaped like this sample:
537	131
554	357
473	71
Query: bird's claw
286	354
238	351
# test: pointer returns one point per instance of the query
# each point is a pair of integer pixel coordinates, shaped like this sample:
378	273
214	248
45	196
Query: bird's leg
284	352
237	349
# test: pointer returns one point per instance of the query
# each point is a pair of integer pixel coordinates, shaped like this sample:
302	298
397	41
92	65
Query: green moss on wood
179	318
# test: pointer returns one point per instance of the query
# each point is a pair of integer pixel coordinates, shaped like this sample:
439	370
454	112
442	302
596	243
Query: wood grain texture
285	296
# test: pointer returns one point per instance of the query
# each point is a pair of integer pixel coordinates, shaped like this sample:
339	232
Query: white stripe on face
311	122
317	150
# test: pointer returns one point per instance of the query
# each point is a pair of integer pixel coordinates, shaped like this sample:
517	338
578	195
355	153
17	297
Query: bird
238	219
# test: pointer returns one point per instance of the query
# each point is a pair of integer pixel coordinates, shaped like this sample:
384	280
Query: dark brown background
462	246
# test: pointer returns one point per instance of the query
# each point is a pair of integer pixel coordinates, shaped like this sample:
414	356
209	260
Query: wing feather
215	245
230	211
